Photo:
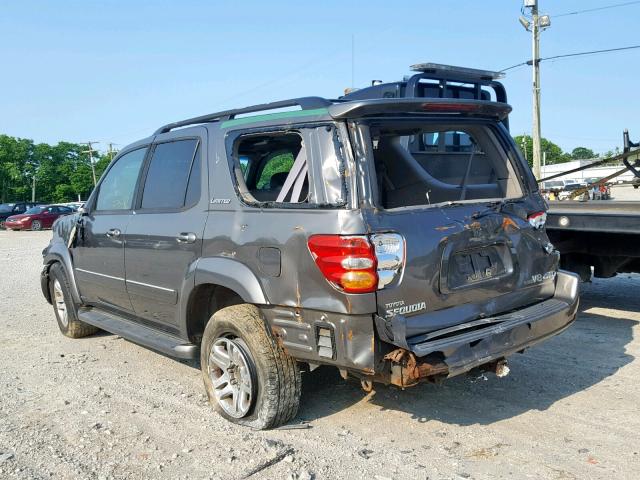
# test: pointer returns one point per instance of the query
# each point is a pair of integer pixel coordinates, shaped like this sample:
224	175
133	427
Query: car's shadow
589	352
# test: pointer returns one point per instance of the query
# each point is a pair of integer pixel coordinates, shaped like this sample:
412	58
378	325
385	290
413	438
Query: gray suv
398	240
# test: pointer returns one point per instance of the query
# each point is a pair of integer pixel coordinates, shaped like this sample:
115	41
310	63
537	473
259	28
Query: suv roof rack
438	70
305	103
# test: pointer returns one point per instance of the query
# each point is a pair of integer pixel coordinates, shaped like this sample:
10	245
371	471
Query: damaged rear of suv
466	273
397	239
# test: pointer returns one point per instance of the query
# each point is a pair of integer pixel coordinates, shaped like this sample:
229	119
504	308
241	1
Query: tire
65	310
36	225
273	375
2	227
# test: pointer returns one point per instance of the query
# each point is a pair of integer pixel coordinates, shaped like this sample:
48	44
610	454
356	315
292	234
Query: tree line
62	172
555	154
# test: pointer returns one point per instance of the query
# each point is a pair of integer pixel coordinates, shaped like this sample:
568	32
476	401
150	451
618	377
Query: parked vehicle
553	186
568	190
264	243
72	205
37	218
15	208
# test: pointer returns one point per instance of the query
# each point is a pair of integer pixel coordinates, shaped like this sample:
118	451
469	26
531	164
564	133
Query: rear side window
119	184
304	167
173	178
273	167
419	163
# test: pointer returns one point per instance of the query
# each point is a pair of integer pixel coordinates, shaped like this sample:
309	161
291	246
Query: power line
578	54
591	52
606	7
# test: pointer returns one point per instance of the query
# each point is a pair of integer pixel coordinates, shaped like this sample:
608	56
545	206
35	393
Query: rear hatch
459	194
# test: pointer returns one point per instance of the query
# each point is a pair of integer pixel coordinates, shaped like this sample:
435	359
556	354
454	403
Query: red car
36	218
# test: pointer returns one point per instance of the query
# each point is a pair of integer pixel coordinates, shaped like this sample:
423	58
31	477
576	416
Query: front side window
174	166
119	185
420	163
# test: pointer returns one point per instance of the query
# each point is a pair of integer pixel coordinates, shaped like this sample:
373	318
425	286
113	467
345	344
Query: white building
582	175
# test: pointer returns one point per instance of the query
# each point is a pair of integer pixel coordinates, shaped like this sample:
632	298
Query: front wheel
65	310
36	225
250	380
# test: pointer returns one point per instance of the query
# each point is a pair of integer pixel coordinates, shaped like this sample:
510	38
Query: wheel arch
218	283
59	253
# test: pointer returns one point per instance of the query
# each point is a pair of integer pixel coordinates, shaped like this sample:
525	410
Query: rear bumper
481	342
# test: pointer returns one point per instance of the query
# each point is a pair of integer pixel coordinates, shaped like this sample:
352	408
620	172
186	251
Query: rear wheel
63	306
249	378
36	225
2	224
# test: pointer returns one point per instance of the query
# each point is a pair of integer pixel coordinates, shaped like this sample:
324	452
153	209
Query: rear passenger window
173	178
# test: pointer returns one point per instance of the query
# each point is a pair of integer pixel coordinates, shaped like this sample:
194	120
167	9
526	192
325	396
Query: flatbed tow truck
595	237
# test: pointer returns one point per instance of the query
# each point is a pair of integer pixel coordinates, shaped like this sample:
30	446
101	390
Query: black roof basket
449	73
305	103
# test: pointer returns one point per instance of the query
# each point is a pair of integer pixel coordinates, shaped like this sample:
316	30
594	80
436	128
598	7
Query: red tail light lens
348	262
451	107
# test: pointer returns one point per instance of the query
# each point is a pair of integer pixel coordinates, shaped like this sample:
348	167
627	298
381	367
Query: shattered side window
302	167
273	167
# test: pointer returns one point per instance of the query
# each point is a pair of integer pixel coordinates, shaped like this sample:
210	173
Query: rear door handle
185	237
114	233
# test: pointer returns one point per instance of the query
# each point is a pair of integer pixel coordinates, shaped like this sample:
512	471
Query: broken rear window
422	163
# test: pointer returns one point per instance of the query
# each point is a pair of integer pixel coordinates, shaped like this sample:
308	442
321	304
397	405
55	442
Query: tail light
355	263
537	219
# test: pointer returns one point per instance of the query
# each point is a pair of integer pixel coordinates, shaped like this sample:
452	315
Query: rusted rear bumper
453	353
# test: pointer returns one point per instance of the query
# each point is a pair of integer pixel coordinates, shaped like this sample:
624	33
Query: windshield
34	210
6	207
419	162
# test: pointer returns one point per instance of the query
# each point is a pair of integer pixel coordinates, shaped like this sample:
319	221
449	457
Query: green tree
583	153
62	172
553	151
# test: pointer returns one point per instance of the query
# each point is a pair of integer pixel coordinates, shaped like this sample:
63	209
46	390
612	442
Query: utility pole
535	37
535	25
33	187
93	167
111	151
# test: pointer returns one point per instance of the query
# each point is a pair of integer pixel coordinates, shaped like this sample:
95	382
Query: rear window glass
419	163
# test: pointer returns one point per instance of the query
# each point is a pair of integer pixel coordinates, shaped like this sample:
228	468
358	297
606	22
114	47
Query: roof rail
305	103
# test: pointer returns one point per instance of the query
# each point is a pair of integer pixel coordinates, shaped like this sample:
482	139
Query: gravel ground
102	407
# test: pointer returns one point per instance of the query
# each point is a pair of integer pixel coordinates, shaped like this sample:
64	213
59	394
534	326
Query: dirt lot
102	407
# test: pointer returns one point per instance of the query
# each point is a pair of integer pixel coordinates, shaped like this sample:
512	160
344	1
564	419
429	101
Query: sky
114	71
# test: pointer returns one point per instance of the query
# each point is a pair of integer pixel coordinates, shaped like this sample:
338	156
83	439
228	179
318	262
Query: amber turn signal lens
358	281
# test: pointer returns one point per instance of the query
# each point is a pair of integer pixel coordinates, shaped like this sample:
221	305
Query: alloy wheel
231	373
61	306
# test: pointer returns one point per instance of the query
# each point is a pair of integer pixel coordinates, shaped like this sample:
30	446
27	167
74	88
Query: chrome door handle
186	237
113	233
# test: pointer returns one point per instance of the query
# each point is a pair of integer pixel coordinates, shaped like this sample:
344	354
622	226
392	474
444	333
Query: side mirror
82	211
